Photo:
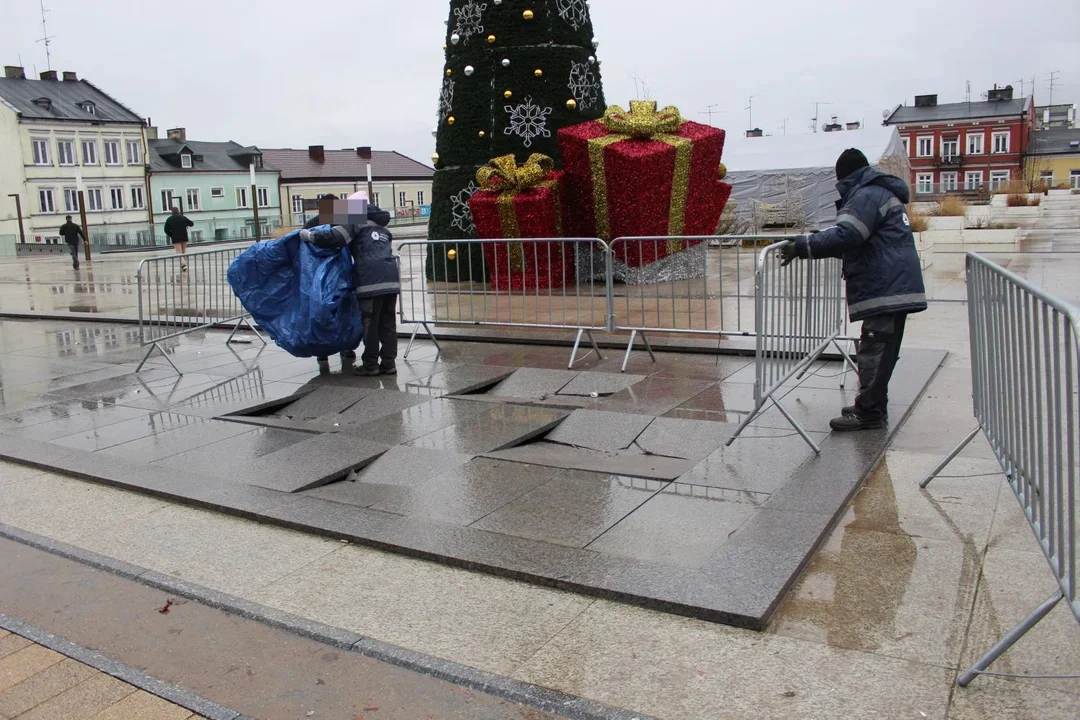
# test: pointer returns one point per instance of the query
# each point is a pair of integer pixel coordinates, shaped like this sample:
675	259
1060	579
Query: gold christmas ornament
451	255
451	120
538	73
723	171
528	15
435	158
491	39
571	104
449	72
483	134
444	46
508	94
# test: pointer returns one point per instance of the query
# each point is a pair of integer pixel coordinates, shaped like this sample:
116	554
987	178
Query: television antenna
750	107
817	112
47	39
783	125
1053	79
710	110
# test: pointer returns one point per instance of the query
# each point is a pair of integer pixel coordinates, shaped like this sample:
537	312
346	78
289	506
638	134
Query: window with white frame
112	152
403	199
375	199
973	179
1046	177
907	146
41	152
185	161
1000	143
263	197
134	152
116	198
89	152
926	146
167	200
998	179
950	148
217	192
93	200
948	182
138	200
65	152
297	204
193	199
1074	179
242	197
924	183
975	143
419	197
71	200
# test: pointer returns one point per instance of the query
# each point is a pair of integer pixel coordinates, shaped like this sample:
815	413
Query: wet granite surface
619	486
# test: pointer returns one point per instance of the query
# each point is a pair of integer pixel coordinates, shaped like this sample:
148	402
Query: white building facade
57	132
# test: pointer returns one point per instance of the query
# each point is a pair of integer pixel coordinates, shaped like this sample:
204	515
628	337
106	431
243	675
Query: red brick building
965	147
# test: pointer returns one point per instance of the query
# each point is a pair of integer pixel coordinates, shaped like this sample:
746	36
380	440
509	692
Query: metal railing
180	294
1025	373
799	314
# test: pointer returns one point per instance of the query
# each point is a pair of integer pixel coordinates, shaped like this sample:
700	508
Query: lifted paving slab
675	520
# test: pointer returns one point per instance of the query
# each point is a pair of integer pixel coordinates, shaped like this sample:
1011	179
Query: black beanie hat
850	161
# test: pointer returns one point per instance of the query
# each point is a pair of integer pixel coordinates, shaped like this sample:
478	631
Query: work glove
788	253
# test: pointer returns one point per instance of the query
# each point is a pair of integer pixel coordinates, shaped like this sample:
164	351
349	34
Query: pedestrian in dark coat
378	284
72	233
884	276
176	229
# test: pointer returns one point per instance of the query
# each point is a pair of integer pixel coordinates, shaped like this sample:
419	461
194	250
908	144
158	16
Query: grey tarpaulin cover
771	170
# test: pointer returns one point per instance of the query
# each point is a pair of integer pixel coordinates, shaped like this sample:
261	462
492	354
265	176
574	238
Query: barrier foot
577	345
849	364
795	424
412	339
949	458
251	327
150	351
630	348
1009	640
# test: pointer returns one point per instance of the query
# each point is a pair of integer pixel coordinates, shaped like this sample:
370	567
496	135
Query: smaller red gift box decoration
522	201
643	173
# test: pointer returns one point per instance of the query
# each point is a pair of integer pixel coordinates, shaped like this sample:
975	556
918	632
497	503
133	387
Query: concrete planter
946	223
1022	213
991	237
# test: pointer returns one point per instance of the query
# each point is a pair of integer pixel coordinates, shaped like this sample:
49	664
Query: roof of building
1057	141
345	165
209	156
66	101
958	111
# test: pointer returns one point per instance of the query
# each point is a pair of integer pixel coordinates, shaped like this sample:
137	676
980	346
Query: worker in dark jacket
378	284
884	277
176	229
71	234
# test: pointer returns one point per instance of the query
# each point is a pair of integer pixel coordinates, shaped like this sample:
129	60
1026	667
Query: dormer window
89	107
257	161
185	161
45	103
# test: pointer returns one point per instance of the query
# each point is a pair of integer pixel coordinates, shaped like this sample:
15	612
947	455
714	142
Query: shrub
1017	200
919	222
952	206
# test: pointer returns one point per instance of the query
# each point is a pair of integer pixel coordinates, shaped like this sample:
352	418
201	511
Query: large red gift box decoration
643	173
522	201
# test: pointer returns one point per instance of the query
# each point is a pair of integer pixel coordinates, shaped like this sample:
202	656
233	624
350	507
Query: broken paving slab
650	467
460	380
373	406
417	421
598	430
534	383
279	423
501	427
599	384
323	401
688	439
314	462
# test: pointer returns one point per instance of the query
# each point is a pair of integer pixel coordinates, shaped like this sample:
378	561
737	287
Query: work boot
852	423
850	410
368	370
388	368
324	365
348	355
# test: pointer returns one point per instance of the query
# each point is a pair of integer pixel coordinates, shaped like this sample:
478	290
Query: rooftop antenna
783	125
1053	78
817	112
47	39
969	95
750	107
710	110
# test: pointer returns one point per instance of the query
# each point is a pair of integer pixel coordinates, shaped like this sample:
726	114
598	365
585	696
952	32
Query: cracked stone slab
533	383
689	439
598	430
373	406
323	401
587	384
627	464
501	427
314	462
460	380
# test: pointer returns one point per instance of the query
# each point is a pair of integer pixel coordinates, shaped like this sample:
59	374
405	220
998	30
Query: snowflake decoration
584	85
470	19
574	12
446	100
463	218
528	121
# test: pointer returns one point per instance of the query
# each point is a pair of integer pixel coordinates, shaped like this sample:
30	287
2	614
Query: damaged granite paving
617	486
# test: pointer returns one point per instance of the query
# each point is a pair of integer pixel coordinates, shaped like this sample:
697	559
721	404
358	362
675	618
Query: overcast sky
342	73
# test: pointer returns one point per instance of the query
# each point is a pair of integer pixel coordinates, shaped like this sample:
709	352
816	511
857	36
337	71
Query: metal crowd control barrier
1024	378
799	314
690	286
180	294
522	283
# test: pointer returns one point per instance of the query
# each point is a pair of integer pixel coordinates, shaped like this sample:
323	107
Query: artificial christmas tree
516	72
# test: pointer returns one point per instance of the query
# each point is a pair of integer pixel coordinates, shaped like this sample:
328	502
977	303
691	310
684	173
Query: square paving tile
404	465
194	434
417	421
629	463
233	458
676	527
459	380
323	401
573	509
533	383
762	460
467	493
587	384
72	417
373	406
314	462
106	436
689	439
653	396
501	427
726	402
595	430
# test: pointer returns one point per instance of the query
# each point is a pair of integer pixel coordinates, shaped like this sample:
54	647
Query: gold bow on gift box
643	122
503	175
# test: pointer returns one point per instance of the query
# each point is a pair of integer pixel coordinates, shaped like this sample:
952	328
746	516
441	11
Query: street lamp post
18	211
255	203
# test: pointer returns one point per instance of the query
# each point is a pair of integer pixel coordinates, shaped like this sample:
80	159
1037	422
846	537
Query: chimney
70	76
854	125
14	72
177	134
49	75
364	152
926	101
317	153
1000	94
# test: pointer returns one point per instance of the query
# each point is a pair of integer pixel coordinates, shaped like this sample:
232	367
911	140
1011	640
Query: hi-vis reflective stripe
855	223
381	289
896	301
893	203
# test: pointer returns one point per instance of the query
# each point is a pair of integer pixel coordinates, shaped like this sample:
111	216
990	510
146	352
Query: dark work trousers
879	349
380	330
74	247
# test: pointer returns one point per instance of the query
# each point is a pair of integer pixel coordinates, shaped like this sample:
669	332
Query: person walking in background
176	229
71	234
884	277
